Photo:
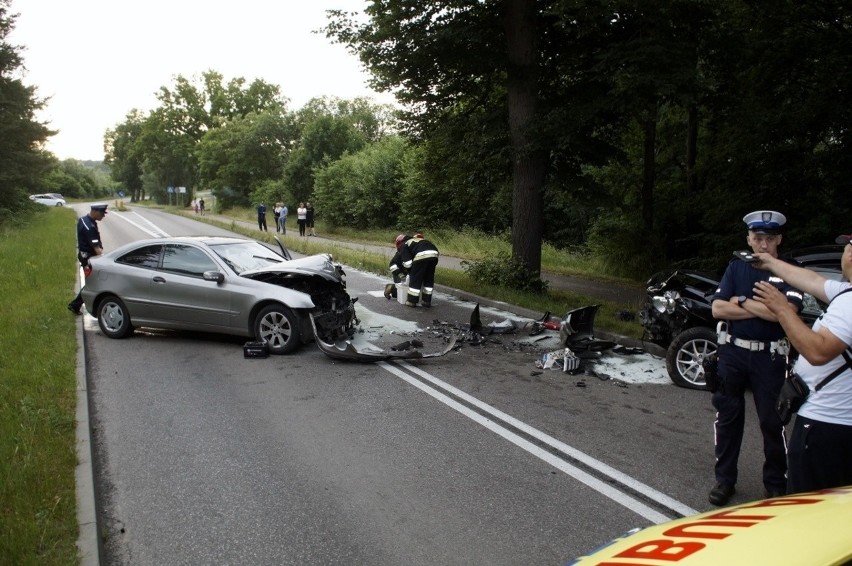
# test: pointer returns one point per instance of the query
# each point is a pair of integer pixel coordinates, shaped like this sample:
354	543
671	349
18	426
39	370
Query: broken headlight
665	302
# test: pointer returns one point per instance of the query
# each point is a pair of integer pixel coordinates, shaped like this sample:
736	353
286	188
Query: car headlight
665	302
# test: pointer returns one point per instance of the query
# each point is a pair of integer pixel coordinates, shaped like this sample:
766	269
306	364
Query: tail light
87	271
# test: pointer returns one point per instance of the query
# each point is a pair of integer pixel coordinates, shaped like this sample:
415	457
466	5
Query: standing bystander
282	219
309	219
820	452
276	213
301	214
261	217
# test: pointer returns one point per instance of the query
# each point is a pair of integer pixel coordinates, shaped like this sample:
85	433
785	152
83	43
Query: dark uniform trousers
763	373
421	280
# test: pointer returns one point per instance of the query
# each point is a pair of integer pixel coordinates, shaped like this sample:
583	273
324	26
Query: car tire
685	356
278	327
113	317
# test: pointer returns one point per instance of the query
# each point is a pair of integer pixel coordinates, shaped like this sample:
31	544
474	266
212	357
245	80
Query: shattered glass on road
491	331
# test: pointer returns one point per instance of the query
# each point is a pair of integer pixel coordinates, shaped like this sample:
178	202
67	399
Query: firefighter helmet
399	240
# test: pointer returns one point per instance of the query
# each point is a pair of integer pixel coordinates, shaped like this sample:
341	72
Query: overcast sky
98	59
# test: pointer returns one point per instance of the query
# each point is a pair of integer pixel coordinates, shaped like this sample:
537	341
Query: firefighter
416	257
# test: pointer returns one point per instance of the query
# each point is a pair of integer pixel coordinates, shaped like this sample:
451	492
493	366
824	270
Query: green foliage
621	242
125	155
38	522
270	192
73	179
447	185
362	190
22	163
324	139
503	270
245	152
619	100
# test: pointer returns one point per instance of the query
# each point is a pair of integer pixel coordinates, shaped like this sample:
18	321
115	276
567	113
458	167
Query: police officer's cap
100	207
765	221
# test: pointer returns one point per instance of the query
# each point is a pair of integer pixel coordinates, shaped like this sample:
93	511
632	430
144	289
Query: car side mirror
216	276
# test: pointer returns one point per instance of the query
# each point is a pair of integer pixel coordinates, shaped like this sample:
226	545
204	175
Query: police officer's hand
99	251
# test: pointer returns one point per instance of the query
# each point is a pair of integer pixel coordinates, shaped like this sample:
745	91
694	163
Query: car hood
320	264
771	531
703	283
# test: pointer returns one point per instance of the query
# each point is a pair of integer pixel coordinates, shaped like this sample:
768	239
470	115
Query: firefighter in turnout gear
416	257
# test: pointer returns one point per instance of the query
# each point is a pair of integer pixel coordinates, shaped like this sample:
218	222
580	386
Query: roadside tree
23	162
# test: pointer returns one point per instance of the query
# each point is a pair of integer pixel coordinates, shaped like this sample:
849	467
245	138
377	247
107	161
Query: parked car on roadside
222	285
804	528
677	312
48	199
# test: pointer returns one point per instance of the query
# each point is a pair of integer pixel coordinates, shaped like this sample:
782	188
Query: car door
182	296
130	279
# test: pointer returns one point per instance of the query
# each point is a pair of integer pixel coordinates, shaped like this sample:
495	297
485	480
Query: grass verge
38	522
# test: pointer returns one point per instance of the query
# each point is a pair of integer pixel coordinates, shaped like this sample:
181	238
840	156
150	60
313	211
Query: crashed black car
677	312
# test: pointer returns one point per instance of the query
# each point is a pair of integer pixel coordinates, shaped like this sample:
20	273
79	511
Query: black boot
390	291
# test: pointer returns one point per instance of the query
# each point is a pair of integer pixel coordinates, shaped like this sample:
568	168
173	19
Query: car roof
827	256
209	240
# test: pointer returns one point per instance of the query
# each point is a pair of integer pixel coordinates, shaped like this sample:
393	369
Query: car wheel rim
112	316
275	329
690	359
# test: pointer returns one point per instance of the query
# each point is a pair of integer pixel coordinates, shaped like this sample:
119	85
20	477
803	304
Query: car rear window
146	256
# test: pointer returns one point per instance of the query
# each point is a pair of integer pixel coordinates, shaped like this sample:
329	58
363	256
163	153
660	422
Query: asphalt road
476	457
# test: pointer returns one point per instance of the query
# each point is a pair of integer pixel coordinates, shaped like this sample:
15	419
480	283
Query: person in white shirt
820	451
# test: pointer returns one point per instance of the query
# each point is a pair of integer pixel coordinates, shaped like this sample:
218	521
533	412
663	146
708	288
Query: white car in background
48	199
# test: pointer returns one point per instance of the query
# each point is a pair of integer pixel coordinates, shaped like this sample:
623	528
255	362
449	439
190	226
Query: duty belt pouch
793	394
711	372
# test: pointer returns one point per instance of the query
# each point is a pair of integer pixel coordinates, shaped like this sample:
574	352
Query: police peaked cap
765	221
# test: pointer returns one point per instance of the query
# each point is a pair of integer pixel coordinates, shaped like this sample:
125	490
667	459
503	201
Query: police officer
752	355
417	258
89	244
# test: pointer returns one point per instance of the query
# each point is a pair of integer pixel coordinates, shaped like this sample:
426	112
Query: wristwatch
741	300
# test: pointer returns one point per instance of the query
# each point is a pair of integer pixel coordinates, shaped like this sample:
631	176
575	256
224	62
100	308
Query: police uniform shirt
88	235
739	280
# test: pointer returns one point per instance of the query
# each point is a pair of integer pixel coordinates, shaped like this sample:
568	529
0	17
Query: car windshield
244	256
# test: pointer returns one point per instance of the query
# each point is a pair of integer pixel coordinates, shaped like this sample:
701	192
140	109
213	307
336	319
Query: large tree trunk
649	175
691	147
528	160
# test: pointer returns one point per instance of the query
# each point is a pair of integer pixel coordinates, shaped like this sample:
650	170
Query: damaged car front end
677	316
332	317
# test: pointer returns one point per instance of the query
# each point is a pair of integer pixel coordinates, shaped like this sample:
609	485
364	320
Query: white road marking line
619	497
154	231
